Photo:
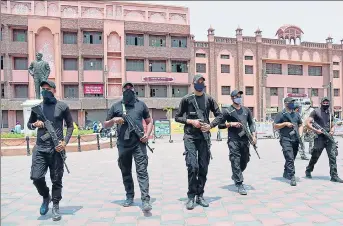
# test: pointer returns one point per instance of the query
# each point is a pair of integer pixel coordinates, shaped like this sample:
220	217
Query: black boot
128	202
146	206
241	189
202	202
44	208
190	204
293	181
308	174
56	216
336	179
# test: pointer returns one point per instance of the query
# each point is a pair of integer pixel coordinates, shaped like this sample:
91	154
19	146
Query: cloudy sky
318	20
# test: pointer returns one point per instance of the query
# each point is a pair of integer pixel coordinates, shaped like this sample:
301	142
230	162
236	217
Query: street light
329	87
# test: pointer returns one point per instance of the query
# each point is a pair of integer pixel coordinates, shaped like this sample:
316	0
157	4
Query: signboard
162	128
93	89
297	95
157	79
271	110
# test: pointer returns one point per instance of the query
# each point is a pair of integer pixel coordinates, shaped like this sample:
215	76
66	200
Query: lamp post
264	76
329	87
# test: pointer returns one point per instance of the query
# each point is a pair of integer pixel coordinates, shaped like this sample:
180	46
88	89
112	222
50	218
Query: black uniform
289	140
322	118
45	156
129	145
195	144
238	146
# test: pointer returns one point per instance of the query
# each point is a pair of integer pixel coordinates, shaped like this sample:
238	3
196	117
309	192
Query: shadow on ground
208	199
233	187
64	210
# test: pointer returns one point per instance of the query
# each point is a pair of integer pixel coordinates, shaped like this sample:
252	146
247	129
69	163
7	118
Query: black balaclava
325	106
48	97
129	97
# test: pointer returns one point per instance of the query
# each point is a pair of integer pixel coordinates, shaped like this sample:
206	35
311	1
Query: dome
289	32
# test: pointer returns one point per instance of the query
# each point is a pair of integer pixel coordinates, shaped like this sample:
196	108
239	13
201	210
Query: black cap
288	99
197	77
49	83
325	99
236	92
127	83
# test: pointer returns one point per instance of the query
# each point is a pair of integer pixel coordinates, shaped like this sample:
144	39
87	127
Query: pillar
32	57
57	48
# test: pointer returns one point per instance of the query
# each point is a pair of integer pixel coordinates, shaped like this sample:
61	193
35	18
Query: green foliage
16	135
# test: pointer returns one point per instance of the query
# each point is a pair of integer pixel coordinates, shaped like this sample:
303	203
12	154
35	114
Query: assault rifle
200	115
51	132
245	131
295	131
133	127
328	135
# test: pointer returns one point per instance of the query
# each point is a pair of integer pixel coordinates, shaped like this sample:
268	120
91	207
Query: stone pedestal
27	105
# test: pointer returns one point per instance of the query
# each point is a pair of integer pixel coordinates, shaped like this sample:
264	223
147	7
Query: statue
40	71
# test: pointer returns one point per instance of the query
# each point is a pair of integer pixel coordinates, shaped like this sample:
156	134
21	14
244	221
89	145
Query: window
336	92
158	91
200	55
134	65
201	68
295	69
225	68
225	56
92	37
19	35
179	66
140	90
20	63
1	33
70	64
249	69
314	92
249	90
273	69
2	62
157	66
21	91
248	57
179	42
295	90
92	64
274	91
336	73
315	70
4	121
19	116
157	41
134	40
179	91
69	38
71	91
2	91
226	90
335	63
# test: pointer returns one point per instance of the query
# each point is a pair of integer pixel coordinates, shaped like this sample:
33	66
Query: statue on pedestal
40	71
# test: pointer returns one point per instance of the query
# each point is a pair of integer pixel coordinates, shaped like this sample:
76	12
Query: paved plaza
93	192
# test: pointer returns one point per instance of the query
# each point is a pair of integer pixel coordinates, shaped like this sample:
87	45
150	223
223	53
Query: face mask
238	100
48	97
291	106
128	96
199	87
325	107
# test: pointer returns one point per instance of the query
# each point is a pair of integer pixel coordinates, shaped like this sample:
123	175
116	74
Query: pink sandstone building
94	46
